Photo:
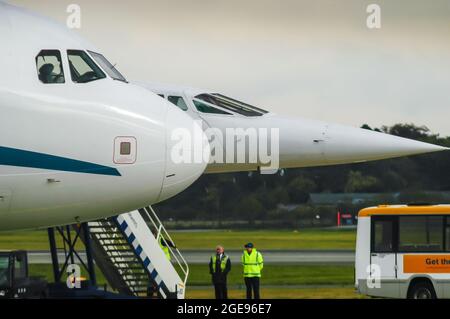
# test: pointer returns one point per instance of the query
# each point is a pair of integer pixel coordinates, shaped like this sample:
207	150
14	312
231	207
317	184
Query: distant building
347	204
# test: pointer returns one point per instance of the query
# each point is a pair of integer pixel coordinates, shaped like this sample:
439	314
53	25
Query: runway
270	256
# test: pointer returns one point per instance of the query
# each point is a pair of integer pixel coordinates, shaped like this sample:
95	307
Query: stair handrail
174	251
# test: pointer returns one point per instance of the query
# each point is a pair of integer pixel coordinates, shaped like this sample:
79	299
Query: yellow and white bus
403	251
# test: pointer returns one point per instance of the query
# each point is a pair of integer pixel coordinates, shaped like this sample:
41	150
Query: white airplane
79	143
302	142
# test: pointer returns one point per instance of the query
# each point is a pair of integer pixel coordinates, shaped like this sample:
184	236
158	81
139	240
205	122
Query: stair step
135	281
104	225
117	244
120	259
104	232
130	268
136	274
119	250
126	263
108	242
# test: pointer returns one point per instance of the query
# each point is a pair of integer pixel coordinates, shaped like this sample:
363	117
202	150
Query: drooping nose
187	153
349	144
306	143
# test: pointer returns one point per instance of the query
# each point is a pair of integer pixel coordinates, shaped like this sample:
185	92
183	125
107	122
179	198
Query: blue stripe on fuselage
21	158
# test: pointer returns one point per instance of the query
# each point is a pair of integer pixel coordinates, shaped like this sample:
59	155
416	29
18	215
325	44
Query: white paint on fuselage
76	121
302	142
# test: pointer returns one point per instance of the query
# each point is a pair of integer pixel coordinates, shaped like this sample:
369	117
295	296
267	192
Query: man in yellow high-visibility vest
219	267
253	263
164	244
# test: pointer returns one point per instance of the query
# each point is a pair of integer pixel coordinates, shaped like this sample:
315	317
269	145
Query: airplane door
383	256
5	201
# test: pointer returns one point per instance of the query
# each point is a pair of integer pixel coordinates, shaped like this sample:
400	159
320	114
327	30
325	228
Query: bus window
4	271
447	235
383	236
19	268
421	233
447	238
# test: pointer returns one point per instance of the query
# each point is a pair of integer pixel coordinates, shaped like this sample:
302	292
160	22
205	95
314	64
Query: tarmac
270	256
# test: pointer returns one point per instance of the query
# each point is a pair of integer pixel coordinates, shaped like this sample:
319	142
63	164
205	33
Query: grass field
283	293
267	239
278	281
28	240
283	275
280	275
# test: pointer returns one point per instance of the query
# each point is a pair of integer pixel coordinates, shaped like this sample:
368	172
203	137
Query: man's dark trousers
252	284
220	286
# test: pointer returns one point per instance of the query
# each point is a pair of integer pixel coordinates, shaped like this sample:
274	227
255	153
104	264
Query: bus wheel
422	290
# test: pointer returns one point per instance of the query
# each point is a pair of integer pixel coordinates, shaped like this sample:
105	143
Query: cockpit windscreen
82	68
107	66
231	104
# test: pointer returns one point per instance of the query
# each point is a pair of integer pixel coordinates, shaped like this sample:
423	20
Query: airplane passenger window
82	68
125	148
178	101
205	108
108	67
231	104
49	67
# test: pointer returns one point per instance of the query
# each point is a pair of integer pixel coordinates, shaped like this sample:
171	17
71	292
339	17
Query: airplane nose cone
347	144
187	153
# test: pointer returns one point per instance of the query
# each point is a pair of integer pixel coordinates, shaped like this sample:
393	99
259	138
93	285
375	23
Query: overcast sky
315	59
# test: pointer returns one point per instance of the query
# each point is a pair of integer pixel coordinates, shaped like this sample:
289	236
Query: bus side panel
445	289
422	262
362	255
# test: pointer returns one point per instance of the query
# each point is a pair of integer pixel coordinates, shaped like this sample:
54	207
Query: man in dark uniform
219	267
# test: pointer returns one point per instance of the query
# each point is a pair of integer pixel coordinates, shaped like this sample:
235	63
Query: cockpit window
206	108
107	66
231	104
178	101
82	68
49	67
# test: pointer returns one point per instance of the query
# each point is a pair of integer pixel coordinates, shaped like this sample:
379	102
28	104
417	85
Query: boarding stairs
127	250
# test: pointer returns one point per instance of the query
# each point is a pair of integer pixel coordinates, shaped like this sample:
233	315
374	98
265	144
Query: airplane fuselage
75	151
